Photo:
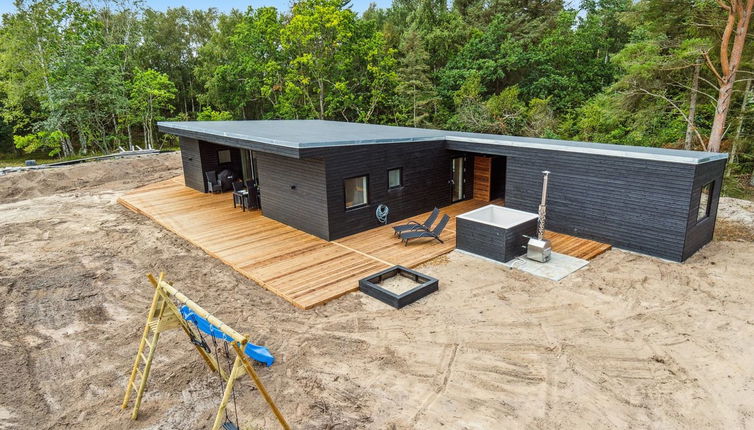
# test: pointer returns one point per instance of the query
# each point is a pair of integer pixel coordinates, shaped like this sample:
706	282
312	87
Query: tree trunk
130	138
690	125
321	100
721	114
741	117
751	181
739	15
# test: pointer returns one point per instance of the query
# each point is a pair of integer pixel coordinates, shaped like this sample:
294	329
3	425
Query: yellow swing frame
164	315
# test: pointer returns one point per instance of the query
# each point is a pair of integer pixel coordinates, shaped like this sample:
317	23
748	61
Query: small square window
356	192
223	156
705	201
395	178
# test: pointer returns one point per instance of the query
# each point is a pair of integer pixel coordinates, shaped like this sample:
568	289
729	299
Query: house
327	178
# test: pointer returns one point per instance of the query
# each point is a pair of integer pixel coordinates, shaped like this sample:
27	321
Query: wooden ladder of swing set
164	315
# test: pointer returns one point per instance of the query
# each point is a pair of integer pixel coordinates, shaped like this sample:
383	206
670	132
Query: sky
224	6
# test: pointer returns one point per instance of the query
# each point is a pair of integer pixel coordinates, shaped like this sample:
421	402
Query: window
395	178
356	192
223	156
705	201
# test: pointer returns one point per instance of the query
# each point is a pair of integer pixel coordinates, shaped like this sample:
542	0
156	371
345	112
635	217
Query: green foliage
208	114
41	141
75	77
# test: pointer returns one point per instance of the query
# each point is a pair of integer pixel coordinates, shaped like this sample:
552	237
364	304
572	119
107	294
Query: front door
458	178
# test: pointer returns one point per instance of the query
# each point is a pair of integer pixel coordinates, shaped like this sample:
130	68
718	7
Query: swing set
165	315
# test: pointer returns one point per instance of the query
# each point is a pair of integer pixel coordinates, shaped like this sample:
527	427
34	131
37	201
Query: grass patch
737	186
733	231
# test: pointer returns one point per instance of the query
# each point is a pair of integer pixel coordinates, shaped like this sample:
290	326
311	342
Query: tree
415	85
242	66
736	28
152	94
316	37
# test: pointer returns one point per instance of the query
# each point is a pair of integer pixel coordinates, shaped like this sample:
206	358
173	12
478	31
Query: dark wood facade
293	192
425	185
637	204
496	243
700	232
199	156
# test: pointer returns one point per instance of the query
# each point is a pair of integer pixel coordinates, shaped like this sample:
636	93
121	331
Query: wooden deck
301	268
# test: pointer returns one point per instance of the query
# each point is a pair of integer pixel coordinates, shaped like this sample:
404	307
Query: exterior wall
699	233
193	173
293	192
426	172
633	204
198	157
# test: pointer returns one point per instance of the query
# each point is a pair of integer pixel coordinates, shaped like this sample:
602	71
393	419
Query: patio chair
252	197
239	193
213	184
434	234
414	225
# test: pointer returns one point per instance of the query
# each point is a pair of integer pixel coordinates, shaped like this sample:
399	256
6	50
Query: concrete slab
559	266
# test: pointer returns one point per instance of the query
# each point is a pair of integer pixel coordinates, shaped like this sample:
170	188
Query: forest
80	78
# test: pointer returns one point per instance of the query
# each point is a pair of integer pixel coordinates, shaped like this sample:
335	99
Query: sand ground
628	342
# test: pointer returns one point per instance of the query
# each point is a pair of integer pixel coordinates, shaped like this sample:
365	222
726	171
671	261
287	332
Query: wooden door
482	178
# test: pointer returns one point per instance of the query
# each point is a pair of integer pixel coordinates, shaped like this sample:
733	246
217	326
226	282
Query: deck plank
301	268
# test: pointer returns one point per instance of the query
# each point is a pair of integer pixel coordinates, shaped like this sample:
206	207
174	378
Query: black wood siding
193	174
303	207
497	243
634	204
426	172
699	233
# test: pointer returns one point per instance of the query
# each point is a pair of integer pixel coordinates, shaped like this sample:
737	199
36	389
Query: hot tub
495	232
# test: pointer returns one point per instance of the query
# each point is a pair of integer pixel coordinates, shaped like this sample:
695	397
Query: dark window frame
708	209
400	178
363	205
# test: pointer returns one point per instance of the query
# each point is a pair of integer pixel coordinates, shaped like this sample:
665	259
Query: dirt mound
116	174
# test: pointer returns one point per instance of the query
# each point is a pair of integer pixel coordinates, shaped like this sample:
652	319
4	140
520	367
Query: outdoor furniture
252	197
414	225
239	194
213	184
226	178
434	234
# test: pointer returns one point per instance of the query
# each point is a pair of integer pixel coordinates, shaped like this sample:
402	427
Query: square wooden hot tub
495	232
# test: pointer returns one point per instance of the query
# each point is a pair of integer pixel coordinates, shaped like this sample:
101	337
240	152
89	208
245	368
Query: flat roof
290	137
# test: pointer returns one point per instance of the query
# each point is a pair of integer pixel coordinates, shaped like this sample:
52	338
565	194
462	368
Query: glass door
458	178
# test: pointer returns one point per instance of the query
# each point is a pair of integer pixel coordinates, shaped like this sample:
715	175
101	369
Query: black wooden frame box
495	232
370	286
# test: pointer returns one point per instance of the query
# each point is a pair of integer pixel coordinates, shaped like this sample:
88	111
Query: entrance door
458	178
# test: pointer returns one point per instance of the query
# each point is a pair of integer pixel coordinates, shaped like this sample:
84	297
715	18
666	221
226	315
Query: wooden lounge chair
434	234
414	225
213	184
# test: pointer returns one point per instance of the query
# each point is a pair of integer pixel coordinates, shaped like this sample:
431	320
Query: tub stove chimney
539	249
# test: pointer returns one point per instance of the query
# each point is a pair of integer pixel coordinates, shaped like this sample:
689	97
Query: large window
705	201
395	178
356	192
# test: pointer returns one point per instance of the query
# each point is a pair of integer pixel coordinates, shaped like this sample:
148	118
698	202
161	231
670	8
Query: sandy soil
628	342
398	284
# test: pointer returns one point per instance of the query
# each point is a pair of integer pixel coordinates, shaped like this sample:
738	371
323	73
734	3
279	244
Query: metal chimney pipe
543	207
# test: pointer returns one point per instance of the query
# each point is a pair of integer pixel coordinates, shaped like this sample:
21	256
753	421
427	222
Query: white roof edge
194	129
612	152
